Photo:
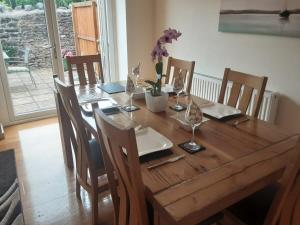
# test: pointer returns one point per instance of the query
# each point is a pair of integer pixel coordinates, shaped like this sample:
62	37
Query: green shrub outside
14	3
9	50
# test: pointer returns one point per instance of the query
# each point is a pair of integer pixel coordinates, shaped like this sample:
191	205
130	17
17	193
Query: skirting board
1	132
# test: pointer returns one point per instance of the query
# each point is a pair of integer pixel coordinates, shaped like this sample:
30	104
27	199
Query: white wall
275	57
134	29
140	36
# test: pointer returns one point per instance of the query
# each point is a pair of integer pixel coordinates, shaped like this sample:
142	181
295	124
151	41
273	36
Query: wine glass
136	73
193	117
130	90
178	85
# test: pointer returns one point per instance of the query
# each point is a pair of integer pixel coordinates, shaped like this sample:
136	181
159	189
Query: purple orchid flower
172	33
156	50
68	54
159	51
166	38
162	53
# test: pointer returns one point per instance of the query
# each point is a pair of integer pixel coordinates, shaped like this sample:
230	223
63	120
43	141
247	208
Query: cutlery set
138	128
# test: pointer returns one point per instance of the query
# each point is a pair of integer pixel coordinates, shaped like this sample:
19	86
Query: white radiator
209	87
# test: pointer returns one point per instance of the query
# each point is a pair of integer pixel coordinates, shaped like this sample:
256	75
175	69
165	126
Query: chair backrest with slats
67	133
183	67
110	171
82	152
243	86
116	138
81	62
286	204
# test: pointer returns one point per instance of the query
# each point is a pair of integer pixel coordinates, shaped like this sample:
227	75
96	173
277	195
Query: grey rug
10	201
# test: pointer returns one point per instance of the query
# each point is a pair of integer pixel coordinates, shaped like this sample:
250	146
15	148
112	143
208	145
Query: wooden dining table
238	161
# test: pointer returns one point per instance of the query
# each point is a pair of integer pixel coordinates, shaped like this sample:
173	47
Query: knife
174	159
240	121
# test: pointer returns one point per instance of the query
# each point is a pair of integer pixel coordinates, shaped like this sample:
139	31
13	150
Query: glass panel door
82	31
35	41
30	59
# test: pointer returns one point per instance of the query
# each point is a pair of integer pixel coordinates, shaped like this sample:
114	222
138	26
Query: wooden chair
89	161
80	62
132	208
278	204
248	83
128	189
67	135
186	68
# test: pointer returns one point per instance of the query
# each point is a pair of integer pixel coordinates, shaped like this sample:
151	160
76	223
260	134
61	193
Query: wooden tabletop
238	161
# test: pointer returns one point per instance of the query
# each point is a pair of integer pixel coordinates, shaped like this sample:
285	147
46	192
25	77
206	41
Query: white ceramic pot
156	103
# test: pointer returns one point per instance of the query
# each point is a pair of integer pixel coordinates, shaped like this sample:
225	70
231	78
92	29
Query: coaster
182	145
128	108
111	111
183	107
172	93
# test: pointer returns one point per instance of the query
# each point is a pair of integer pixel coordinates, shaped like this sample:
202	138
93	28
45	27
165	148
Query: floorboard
47	186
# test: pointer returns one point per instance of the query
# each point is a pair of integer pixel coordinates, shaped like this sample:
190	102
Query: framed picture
271	17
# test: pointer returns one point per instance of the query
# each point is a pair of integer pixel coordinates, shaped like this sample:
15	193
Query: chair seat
96	154
17	69
253	210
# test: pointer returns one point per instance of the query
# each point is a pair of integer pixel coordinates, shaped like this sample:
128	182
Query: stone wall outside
20	29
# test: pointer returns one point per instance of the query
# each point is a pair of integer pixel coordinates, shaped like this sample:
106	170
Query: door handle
51	47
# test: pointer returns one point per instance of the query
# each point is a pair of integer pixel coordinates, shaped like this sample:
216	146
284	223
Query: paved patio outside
26	97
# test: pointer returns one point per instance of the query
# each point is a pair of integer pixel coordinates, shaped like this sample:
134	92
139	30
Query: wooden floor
47	186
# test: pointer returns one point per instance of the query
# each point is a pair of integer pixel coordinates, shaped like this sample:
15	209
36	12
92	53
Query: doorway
29	59
34	48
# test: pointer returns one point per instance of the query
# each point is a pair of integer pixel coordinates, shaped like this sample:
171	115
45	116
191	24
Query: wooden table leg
158	219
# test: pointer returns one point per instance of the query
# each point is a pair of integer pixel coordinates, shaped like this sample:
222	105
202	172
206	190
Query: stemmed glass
136	73
178	85
193	117
130	90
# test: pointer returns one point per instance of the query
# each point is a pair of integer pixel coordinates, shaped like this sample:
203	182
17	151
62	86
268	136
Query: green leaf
159	68
152	92
150	82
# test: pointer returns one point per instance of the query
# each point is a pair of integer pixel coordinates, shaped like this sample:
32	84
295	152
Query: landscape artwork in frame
271	17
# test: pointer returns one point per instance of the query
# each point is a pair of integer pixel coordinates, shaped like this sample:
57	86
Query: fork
174	159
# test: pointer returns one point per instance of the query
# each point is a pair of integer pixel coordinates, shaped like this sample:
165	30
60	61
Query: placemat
112	88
